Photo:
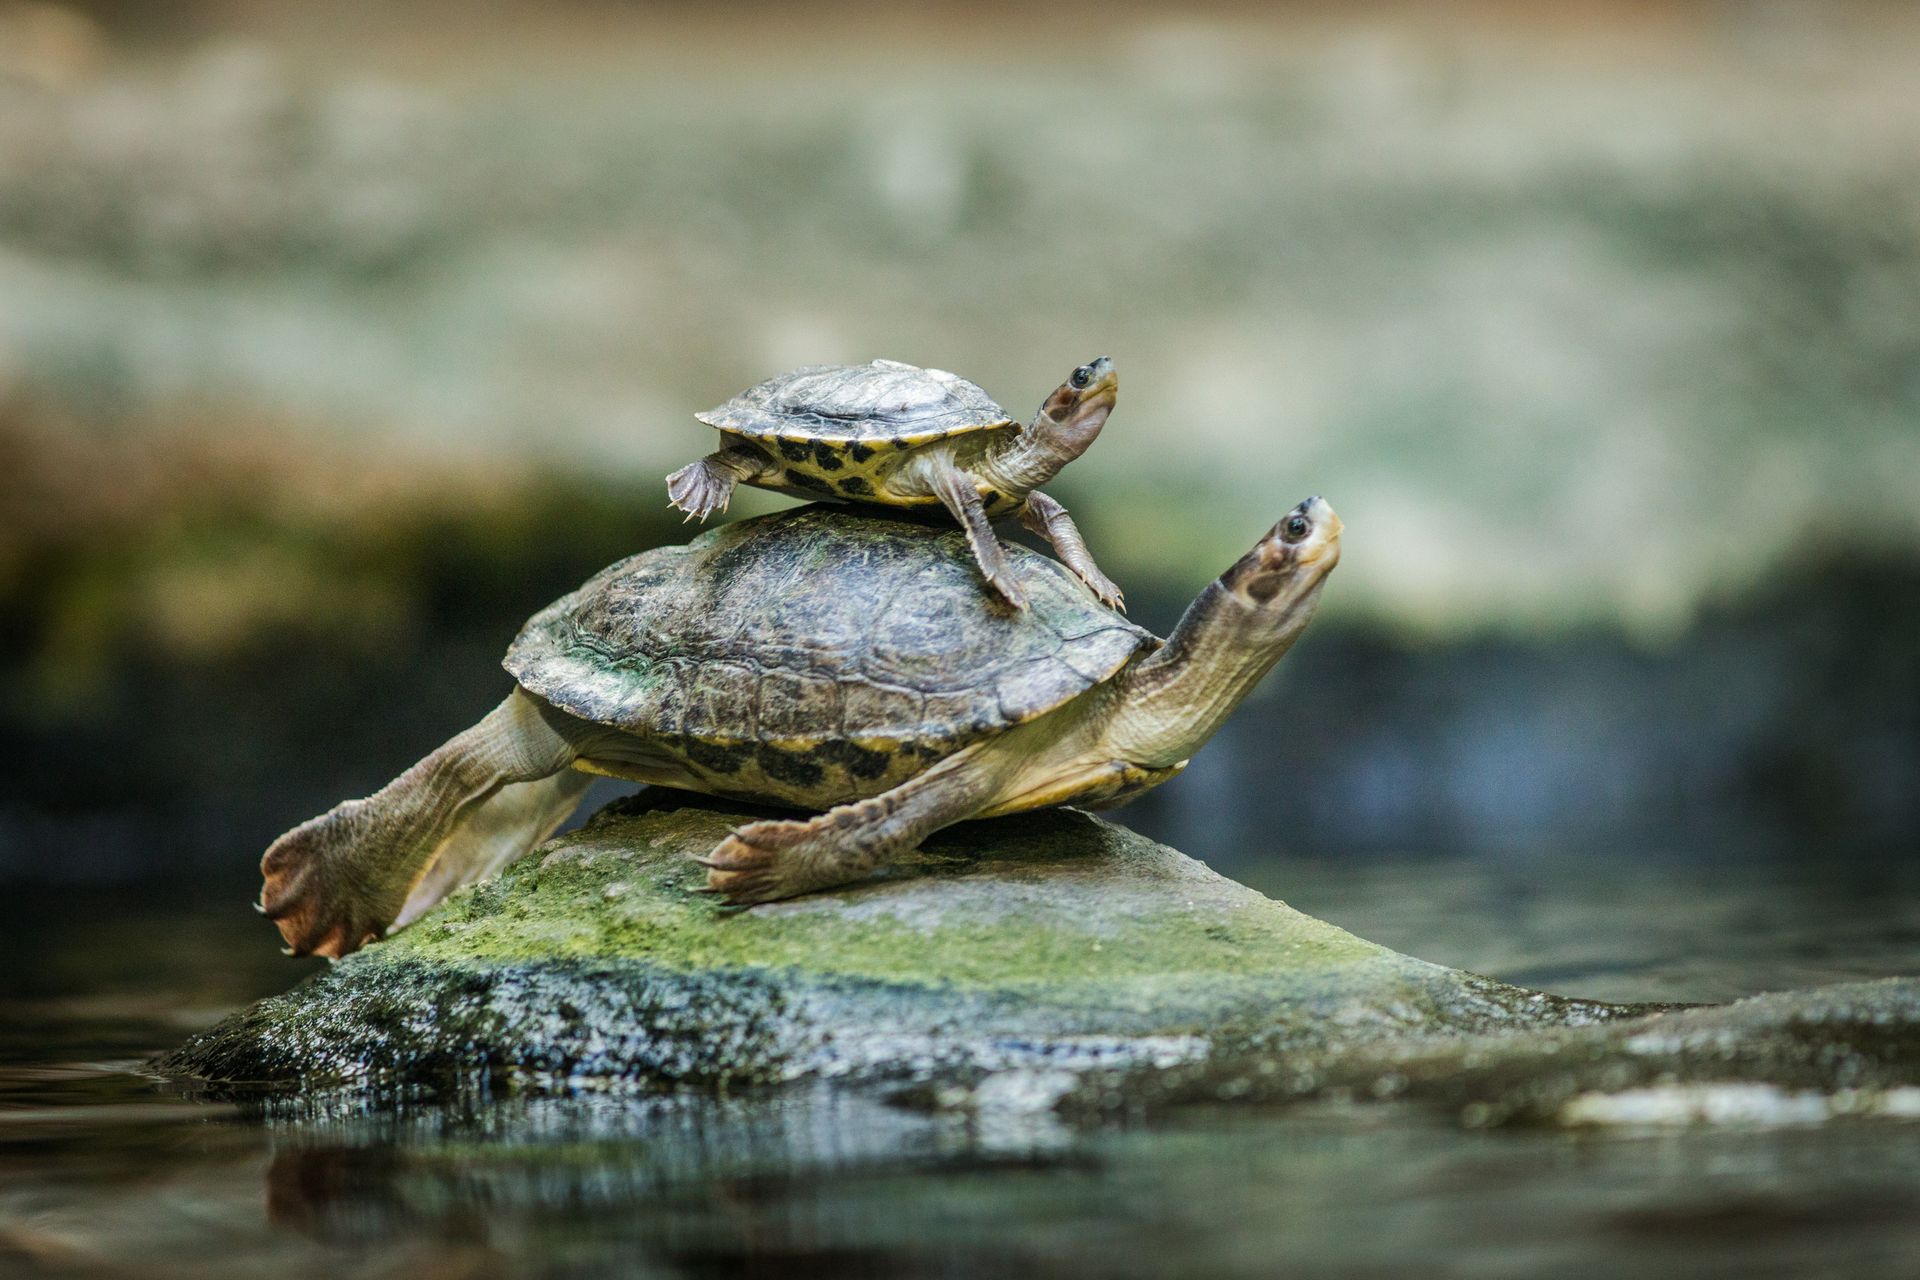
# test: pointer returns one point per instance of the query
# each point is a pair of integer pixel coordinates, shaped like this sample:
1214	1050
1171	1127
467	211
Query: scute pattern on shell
819	630
843	403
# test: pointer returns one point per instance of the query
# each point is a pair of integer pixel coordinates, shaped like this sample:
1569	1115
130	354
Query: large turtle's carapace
815	658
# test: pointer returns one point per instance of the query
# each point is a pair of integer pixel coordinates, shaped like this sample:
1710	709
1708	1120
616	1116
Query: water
104	1170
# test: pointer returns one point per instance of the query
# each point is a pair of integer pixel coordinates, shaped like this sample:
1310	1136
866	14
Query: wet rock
1849	1051
1052	943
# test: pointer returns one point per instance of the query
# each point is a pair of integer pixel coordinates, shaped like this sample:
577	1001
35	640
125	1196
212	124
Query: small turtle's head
1285	568
1072	416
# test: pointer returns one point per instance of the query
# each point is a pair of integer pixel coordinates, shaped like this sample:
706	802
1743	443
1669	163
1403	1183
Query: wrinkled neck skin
1023	462
1172	702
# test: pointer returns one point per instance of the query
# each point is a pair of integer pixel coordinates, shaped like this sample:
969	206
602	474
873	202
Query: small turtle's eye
1081	376
1295	528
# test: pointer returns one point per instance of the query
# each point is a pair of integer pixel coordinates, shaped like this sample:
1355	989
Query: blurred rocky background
336	339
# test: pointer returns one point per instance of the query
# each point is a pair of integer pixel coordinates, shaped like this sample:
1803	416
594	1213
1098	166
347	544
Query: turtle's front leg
1050	520
766	861
957	490
704	487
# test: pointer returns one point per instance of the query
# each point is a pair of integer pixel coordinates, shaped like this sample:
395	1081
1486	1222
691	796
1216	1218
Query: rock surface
1051	941
1045	962
1849	1051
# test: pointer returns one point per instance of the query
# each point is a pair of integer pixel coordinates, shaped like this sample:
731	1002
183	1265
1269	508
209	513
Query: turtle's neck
1171	703
1024	461
1064	428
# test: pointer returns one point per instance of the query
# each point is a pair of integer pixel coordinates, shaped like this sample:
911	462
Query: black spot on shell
857	760
718	757
826	457
813	484
795	450
796	768
860	452
856	487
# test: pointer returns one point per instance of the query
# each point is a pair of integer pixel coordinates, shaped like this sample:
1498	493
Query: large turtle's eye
1295	527
1081	377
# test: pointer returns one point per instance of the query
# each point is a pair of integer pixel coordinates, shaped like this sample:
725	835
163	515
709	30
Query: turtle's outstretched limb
1050	520
508	823
704	487
955	488
340	880
765	861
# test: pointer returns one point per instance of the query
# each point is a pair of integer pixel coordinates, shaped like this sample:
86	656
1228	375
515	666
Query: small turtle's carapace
893	434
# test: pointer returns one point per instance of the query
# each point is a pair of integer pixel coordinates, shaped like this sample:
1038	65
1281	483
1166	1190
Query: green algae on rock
1052	940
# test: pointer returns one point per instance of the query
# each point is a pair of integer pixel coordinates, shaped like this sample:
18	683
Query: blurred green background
336	339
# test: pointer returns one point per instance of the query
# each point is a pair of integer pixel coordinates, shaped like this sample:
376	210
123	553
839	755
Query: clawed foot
1006	585
699	491
315	914
1107	589
765	862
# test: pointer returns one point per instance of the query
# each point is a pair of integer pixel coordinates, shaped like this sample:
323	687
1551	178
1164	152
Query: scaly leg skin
955	488
706	486
340	880
516	818
1050	520
766	861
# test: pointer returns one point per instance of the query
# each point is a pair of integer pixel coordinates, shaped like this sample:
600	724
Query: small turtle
762	662
897	435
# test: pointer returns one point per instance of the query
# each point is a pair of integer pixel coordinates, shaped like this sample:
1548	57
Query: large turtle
770	660
897	435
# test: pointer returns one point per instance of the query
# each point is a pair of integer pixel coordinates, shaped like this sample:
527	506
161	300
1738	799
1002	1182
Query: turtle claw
699	490
1108	592
743	889
754	863
1009	590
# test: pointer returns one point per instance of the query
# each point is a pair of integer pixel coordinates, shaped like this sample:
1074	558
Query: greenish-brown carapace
896	435
770	660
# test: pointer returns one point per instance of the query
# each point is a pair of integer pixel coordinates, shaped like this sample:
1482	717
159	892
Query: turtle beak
1102	389
1071	419
1323	540
1095	396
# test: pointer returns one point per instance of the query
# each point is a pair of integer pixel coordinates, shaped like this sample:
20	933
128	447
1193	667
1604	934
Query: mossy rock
1054	940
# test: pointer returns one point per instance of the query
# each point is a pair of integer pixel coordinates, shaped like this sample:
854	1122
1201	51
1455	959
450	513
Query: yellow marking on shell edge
794	744
603	770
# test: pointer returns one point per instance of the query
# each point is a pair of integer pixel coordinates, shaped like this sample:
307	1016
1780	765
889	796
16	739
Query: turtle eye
1081	377
1295	527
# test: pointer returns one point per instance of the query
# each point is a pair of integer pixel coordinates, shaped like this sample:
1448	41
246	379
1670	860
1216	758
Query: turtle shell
812	652
885	402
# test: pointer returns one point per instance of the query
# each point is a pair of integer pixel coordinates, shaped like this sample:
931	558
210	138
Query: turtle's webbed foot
304	893
700	489
767	861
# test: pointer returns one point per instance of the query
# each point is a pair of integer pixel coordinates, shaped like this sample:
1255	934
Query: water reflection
823	1183
104	1171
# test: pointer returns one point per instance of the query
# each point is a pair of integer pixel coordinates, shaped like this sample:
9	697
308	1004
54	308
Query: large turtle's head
1285	569
1072	416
